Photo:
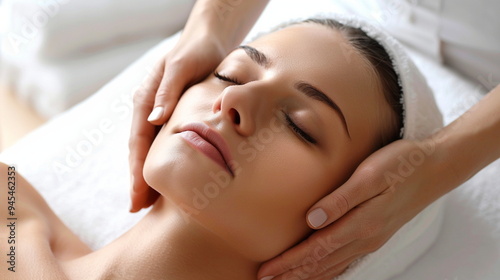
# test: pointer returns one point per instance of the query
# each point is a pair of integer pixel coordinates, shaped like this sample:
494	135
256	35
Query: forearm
227	20
469	143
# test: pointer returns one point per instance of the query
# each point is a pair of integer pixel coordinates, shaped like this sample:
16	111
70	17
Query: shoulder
21	202
30	233
20	225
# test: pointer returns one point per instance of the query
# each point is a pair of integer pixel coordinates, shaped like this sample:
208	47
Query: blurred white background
55	53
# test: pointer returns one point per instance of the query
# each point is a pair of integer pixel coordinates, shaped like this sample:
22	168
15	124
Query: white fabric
468	246
56	29
52	86
78	162
55	53
421	115
462	33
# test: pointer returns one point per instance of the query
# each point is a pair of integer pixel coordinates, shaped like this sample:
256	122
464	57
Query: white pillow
55	53
56	29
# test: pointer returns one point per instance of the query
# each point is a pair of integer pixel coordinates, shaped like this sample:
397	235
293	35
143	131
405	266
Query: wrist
227	22
455	159
435	177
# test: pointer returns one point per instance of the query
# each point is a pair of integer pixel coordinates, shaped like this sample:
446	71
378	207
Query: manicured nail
267	278
155	114
317	217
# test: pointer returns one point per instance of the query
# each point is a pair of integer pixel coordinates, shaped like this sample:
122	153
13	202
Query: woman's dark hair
379	60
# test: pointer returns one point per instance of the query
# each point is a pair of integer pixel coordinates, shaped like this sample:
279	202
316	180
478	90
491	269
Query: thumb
336	204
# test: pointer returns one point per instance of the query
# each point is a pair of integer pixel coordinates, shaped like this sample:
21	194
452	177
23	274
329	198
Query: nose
243	106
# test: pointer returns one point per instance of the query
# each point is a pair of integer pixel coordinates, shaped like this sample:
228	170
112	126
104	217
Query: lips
209	142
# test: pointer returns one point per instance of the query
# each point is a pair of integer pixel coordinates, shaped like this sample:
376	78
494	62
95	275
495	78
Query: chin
184	175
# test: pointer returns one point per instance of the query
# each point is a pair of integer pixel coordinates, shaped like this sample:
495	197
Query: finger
331	265
359	188
139	192
317	246
143	200
318	270
173	83
142	134
141	137
335	270
334	264
331	262
142	196
152	197
312	272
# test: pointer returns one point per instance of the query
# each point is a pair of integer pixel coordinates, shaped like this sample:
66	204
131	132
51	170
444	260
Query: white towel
52	86
58	29
55	53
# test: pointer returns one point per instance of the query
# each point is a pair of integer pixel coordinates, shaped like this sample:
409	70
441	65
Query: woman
262	126
453	162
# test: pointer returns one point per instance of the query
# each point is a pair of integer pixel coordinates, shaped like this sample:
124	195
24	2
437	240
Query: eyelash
291	124
226	78
297	130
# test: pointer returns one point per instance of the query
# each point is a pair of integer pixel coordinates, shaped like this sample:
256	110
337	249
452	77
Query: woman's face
285	120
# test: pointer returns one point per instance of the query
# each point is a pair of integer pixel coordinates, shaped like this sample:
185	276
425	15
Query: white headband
420	112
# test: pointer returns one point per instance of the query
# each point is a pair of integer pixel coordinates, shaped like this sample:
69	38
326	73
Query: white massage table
78	161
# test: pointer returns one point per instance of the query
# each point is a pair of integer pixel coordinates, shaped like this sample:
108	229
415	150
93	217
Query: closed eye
227	78
297	130
293	126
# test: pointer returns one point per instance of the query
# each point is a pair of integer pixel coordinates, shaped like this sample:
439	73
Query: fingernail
317	217
155	114
267	278
130	208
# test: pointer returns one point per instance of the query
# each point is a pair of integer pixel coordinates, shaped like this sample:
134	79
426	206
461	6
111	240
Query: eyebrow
317	94
304	87
256	55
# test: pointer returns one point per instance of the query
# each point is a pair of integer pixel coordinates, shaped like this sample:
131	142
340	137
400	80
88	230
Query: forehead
323	57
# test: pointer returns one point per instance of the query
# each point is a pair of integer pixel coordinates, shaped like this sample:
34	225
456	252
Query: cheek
272	194
172	165
195	104
294	181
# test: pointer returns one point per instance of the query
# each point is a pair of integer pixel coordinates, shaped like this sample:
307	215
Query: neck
165	244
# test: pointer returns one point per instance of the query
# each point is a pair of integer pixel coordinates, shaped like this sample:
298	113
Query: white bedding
79	163
468	246
55	53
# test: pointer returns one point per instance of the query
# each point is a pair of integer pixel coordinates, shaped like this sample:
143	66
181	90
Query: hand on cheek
360	216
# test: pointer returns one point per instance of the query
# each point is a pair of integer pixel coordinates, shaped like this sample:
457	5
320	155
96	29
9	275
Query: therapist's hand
387	190
194	56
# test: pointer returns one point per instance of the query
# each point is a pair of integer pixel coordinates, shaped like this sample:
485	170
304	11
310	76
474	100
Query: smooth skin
240	223
250	107
368	209
213	29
